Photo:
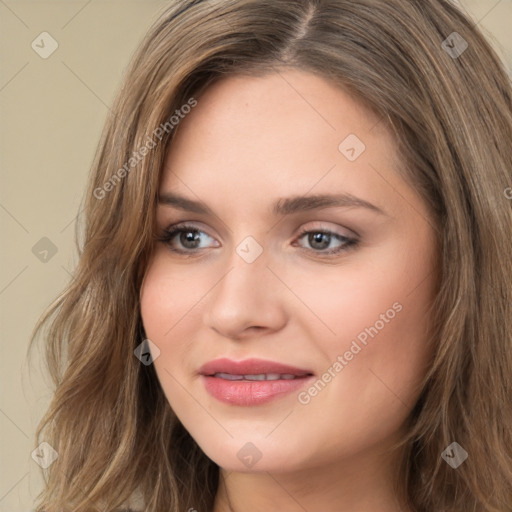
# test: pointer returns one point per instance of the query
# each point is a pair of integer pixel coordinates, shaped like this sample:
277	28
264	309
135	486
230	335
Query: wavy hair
117	437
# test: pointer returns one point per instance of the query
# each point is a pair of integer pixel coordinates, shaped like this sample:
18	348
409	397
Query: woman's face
346	303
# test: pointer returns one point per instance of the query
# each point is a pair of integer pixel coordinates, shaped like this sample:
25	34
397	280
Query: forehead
280	134
299	101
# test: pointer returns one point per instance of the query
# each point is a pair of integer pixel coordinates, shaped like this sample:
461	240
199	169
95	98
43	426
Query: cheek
171	303
371	292
375	315
166	306
168	297
381	336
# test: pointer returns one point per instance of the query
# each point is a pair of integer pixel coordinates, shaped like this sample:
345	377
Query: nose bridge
245	296
246	271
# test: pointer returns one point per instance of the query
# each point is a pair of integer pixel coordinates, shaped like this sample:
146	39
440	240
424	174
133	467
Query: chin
256	456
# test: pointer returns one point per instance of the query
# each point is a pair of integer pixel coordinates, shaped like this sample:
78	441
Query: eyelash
169	234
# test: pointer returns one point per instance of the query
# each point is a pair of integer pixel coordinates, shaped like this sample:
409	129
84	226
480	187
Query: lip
248	393
250	367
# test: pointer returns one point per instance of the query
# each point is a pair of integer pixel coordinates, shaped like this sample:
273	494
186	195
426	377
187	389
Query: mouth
252	369
259	376
252	381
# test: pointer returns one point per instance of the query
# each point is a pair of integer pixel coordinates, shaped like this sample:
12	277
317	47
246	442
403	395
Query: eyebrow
283	206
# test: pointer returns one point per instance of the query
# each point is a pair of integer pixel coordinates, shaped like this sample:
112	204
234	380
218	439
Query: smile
260	376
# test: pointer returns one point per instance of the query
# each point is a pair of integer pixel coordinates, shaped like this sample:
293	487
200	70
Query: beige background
52	111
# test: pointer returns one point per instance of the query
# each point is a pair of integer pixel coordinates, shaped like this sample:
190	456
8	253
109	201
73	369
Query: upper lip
250	367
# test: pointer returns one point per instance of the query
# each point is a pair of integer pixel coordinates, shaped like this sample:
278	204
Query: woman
293	291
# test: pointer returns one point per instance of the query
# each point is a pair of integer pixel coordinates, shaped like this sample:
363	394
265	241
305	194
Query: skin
248	142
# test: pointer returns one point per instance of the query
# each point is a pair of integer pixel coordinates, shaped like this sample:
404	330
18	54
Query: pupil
317	238
189	237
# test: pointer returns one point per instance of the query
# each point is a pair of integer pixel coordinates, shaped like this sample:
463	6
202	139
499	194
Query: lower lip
237	392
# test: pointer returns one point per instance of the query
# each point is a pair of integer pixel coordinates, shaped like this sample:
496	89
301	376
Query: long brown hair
447	99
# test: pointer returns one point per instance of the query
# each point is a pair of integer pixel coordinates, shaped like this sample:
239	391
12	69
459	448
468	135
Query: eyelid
188	226
321	226
349	240
191	225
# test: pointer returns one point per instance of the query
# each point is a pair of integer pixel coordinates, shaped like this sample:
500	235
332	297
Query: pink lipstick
252	381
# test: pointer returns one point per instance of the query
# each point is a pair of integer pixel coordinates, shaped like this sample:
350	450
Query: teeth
261	376
228	376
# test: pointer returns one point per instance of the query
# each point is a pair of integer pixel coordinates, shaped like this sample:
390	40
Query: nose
248	299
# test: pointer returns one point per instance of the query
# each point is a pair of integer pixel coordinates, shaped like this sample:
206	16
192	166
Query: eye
187	238
320	239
